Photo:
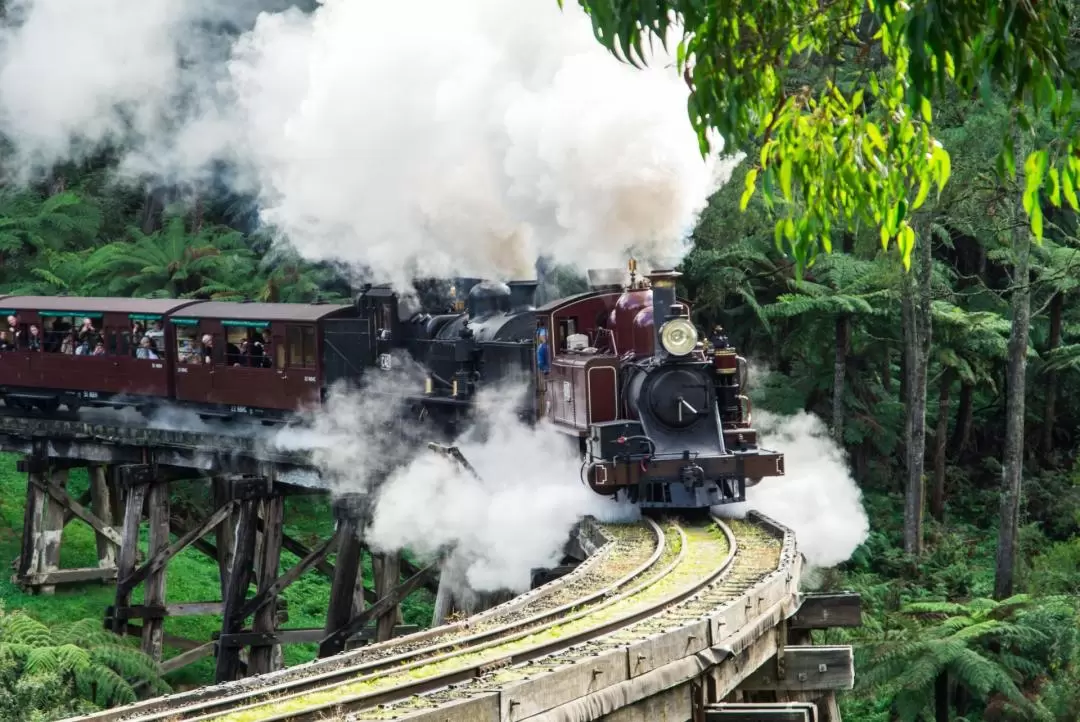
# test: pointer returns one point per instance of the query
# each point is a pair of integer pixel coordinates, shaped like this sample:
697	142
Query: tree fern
68	669
991	648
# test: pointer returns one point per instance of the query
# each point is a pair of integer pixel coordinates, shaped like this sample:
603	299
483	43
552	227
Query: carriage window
301	342
188	345
245	344
309	347
78	334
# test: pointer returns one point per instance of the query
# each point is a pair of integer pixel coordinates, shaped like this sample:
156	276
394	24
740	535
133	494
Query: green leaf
924	190
1037	221
751	180
785	178
1069	189
1055	188
925	110
875	136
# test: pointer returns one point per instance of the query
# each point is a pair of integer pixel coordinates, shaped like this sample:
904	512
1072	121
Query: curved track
630	551
627	592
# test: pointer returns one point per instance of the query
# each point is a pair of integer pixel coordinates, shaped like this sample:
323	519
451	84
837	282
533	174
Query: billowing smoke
357	435
132	74
418	137
817	499
516	516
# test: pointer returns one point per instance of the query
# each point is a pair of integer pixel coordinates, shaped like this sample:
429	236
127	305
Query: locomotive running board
454	453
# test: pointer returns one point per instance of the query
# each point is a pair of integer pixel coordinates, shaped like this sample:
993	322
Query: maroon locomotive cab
583	390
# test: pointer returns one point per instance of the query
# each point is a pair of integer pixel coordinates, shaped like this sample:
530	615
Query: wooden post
268	560
52	529
387	570
347	586
225	532
236	588
154	590
129	549
29	555
101	503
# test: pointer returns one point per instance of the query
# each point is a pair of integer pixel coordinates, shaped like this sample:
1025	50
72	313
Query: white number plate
386	361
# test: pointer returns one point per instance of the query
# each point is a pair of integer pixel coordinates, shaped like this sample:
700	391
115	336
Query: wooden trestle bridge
131	469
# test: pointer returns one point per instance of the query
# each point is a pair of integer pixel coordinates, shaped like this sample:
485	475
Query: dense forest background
966	617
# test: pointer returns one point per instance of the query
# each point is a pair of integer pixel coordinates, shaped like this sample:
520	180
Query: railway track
629	552
645	581
693	568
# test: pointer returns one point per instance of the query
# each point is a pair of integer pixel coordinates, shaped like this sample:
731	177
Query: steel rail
340	670
382	697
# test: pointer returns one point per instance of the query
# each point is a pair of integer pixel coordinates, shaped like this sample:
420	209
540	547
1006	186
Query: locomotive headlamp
678	336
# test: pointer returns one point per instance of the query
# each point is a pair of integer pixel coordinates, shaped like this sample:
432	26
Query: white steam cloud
418	137
494	529
817	499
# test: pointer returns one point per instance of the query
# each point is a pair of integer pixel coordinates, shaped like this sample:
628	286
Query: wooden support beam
181	526
52	527
385	606
823	611
181	609
266	658
42	464
297	548
125	565
85	498
60	495
154	589
101	503
28	552
225	534
159	559
68	576
807	668
750	712
185	658
136	630
273	589
344	586
386	568
239	578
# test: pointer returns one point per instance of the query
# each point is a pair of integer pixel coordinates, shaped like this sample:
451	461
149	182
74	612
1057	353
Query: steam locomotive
657	414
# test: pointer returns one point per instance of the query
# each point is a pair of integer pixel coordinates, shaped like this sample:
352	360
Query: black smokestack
522	294
663	296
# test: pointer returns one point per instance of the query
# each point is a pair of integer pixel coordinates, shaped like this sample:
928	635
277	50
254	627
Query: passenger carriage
47	377
262	359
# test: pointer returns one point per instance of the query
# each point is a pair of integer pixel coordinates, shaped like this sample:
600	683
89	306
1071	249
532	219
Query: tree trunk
941	698
1013	458
964	414
843	334
1057	307
903	391
916	313
937	493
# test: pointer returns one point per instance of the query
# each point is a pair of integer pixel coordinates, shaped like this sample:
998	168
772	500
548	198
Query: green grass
190	577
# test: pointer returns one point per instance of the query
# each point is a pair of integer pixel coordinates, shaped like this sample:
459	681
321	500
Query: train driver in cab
543	352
